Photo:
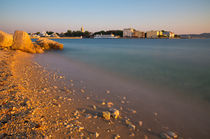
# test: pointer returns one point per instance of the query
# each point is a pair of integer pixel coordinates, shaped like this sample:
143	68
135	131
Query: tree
49	32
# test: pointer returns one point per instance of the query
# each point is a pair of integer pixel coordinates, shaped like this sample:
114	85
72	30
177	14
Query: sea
170	77
180	64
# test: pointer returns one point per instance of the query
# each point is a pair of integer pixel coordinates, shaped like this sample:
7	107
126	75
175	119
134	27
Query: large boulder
6	40
22	41
47	44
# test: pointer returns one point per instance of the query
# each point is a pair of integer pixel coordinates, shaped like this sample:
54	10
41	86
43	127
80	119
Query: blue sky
180	16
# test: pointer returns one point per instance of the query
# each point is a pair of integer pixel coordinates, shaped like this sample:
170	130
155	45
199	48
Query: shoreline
40	102
173	112
43	104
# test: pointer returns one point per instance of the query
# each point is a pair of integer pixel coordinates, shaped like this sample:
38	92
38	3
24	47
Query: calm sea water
175	64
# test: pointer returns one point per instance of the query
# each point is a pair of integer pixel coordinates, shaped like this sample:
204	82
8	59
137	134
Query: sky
179	16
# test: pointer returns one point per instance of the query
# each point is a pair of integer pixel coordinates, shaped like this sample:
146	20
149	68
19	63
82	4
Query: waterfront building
132	33
138	34
154	34
128	32
168	34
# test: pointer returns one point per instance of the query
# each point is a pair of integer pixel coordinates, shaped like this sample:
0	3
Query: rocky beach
39	103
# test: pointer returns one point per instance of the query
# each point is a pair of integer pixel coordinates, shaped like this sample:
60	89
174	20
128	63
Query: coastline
38	103
159	111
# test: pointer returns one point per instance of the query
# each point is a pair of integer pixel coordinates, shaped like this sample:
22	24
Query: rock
117	136
132	134
80	128
172	134
87	98
96	134
129	124
155	113
115	113
107	91
47	44
165	136
22	41
6	40
88	116
106	115
133	111
140	123
109	104
94	107
103	103
82	90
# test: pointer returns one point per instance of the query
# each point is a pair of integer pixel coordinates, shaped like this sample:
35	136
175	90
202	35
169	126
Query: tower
82	29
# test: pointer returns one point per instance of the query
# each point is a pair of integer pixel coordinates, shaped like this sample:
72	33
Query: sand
36	103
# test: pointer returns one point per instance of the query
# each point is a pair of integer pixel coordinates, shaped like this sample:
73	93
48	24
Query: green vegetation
49	32
70	33
115	32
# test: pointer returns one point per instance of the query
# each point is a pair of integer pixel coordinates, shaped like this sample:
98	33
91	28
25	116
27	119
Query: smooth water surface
183	65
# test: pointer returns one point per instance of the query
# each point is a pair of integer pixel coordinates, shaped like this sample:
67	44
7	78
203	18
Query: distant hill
203	35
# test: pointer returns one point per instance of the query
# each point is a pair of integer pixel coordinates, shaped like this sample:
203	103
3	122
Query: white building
154	34
128	32
44	34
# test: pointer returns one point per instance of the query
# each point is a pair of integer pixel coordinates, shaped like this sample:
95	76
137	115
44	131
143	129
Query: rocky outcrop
6	40
47	44
22	41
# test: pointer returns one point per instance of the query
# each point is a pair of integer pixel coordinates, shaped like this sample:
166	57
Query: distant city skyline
180	16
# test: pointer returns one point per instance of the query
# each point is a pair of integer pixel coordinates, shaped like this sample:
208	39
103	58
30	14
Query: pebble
172	134
103	103
107	91
115	113
87	98
109	104
88	116
82	90
164	136
96	134
133	111
80	128
140	123
81	134
155	113
106	115
117	136
132	134
94	107
132	126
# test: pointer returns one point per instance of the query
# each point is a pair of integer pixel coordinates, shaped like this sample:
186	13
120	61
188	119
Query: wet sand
158	108
36	103
57	98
